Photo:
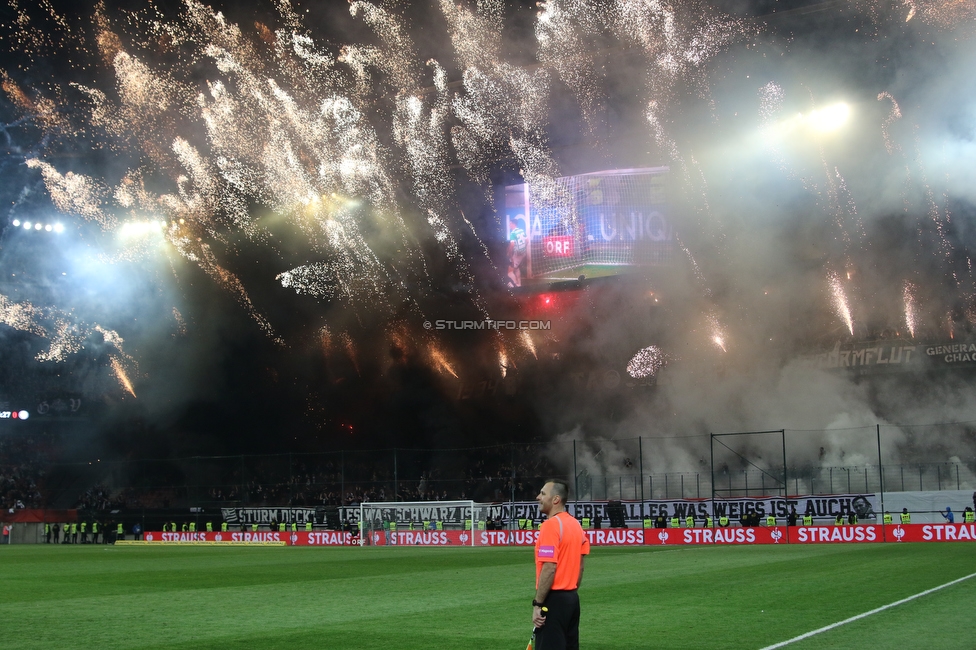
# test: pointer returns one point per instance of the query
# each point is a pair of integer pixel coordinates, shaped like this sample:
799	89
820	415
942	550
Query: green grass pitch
644	597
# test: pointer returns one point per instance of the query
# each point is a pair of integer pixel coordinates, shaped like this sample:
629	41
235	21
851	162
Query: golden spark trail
840	300
527	339
440	361
911	310
122	377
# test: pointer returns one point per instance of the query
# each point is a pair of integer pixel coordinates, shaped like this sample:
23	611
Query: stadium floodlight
821	121
38	226
426	523
132	229
48	227
27	225
830	118
16	223
58	227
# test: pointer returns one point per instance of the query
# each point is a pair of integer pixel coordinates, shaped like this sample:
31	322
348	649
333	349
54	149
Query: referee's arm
546	577
579	580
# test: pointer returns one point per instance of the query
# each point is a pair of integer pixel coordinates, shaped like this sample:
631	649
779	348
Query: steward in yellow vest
689	522
586	523
648	522
675	522
223	526
807	520
887	519
906	517
770	520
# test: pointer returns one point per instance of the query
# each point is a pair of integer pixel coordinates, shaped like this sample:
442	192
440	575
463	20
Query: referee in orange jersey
559	552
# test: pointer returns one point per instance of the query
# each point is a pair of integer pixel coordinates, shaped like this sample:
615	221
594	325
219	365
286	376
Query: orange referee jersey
561	540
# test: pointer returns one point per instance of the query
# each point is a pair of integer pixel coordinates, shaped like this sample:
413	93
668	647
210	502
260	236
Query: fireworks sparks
718	336
839	299
911	308
223	136
646	362
893	116
119	369
440	361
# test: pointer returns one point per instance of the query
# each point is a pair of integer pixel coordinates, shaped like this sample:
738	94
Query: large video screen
589	224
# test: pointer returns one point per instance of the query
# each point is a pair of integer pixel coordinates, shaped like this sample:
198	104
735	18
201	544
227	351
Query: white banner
822	508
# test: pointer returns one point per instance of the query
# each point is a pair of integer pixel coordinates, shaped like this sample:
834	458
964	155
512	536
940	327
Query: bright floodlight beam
830	118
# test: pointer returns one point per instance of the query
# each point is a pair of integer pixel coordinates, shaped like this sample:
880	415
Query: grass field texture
403	598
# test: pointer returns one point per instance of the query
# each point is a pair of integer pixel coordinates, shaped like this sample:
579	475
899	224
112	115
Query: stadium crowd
22	463
305	484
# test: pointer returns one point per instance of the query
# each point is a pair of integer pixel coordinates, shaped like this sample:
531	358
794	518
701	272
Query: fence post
511	508
711	456
640	452
880	469
786	485
575	472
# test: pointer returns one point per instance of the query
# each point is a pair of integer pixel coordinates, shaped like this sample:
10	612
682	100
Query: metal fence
634	468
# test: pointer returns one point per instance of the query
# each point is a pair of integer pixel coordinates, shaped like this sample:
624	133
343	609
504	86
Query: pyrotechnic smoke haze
263	207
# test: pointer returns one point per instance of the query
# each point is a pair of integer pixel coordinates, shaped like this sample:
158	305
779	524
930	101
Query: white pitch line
866	614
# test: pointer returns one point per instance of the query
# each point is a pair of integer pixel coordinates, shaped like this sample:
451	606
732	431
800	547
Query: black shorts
561	631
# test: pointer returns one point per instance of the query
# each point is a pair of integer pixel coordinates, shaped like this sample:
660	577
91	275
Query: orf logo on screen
663	536
558	246
898	532
547	551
